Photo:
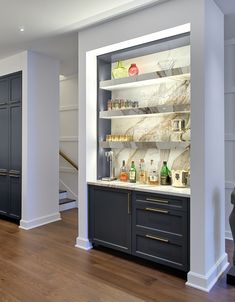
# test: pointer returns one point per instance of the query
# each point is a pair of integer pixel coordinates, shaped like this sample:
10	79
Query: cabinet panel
160	249
4	138
110	221
15	197
150	217
15	89
4	189
15	138
4	91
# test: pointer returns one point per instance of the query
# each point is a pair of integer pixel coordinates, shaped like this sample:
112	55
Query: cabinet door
110	218
4	150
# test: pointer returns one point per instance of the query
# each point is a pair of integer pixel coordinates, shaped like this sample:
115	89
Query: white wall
40	136
208	258
69	134
229	129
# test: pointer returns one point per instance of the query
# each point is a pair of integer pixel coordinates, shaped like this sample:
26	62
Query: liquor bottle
142	172
153	177
123	176
132	173
165	174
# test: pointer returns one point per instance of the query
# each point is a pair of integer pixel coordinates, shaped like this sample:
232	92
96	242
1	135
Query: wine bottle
165	174
132	173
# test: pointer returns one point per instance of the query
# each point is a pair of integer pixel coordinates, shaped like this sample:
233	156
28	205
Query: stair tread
66	200
62	191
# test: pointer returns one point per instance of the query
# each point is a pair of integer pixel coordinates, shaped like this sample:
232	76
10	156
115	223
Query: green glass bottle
132	173
165	175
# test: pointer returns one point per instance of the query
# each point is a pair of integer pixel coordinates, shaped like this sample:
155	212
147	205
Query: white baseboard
68	206
34	223
206	282
83	244
228	235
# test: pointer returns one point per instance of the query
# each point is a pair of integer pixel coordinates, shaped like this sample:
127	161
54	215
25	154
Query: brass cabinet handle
14	175
156	238
129	205
157	200
157	210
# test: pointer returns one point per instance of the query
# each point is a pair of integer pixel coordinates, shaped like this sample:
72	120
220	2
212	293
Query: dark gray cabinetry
110	218
156	227
10	145
160	229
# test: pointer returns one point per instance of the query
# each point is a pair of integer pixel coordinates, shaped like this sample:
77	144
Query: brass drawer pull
156	238
157	210
14	175
157	200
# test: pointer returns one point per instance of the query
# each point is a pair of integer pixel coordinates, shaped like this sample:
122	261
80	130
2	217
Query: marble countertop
168	190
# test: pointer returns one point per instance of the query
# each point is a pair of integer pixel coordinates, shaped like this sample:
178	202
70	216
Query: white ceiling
51	25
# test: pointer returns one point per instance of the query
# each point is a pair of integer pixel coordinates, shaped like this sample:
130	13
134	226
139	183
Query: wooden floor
43	265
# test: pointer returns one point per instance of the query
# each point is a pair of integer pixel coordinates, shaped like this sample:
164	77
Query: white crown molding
68	139
69	108
34	223
121	10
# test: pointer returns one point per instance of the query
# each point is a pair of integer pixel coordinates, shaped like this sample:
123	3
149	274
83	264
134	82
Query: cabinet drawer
153	217
164	201
162	249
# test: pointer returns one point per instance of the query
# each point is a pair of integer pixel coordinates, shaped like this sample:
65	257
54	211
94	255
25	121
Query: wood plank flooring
42	265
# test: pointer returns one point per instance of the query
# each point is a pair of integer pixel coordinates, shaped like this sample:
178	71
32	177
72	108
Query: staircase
66	203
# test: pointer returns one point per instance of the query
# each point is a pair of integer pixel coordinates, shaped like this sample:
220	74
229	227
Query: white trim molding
206	282
68	139
68	206
229	136
31	224
71	194
229	185
68	170
228	235
230	90
66	78
229	42
83	243
69	108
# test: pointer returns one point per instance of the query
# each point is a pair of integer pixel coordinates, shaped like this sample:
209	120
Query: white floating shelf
144	145
155	110
146	79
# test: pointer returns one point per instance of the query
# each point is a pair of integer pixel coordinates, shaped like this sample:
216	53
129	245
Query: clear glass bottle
165	174
153	176
123	176
132	173
142	172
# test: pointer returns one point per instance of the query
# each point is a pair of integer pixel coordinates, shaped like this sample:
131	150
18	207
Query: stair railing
70	161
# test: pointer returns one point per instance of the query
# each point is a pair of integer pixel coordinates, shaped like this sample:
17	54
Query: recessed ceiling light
21	29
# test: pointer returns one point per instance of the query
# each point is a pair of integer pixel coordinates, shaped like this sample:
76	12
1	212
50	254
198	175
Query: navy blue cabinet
151	226
110	218
10	145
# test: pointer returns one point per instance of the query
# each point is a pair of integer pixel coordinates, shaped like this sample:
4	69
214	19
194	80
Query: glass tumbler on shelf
120	71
